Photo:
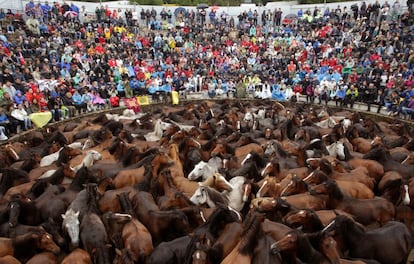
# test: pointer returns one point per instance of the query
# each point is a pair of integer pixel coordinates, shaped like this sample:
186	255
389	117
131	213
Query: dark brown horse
389	244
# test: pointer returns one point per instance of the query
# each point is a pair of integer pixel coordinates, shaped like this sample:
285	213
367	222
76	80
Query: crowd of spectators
69	60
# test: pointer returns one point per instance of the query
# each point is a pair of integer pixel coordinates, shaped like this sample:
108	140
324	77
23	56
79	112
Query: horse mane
63	157
316	221
210	229
210	144
100	119
25	245
250	234
280	150
260	160
114	145
325	166
378	153
145	185
128	156
347	153
92	198
335	191
126	205
6	181
57	136
82	175
216	196
183	143
29	164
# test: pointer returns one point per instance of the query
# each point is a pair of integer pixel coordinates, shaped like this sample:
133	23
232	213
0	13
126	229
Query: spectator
78	102
69	105
22	117
408	111
5	122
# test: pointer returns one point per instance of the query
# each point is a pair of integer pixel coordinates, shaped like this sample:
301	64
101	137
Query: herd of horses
210	182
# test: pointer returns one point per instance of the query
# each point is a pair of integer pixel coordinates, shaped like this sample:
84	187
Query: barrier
199	97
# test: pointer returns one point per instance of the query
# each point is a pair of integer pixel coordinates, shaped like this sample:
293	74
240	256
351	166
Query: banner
175	98
143	100
132	103
40	119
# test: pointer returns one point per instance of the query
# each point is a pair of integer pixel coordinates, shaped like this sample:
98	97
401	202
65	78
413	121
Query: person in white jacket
21	115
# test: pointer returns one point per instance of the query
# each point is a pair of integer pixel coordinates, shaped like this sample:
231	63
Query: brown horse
44	257
135	236
243	251
365	211
161	224
297	244
24	246
78	256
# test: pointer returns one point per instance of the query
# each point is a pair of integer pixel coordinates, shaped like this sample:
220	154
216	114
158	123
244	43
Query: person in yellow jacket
351	95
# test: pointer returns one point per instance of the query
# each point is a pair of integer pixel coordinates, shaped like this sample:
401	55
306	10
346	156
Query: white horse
89	159
234	199
159	128
71	224
210	196
336	150
49	159
238	195
205	169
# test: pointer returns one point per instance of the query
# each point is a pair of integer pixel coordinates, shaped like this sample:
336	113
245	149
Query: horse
226	241
365	211
54	204
161	224
357	175
235	198
296	185
383	156
54	157
349	188
390	243
23	210
24	246
11	178
78	256
88	160
128	177
170	252
44	257
208	232
93	233
202	169
306	219
298	245
243	252
135	236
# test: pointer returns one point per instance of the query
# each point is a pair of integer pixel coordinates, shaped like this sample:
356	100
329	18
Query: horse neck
335	197
78	181
101	255
62	158
306	251
126	204
57	177
25	245
5	183
250	235
353	234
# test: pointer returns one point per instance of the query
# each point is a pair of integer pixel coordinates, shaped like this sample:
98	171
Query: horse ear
63	216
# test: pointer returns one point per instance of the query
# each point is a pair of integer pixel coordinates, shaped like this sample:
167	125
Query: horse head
71	225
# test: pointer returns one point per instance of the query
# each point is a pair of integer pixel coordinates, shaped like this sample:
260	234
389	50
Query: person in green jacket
351	95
